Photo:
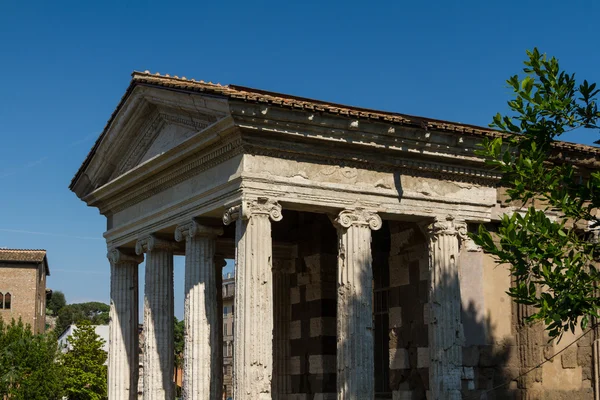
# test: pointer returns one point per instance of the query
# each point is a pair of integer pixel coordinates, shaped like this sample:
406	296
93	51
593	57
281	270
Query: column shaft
200	319
123	327
446	335
355	352
159	361
253	316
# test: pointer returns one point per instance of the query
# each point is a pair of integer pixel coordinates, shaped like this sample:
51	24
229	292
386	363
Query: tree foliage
547	241
28	364
85	372
56	302
95	312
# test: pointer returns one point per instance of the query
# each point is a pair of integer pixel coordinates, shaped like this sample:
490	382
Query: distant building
23	286
228	297
65	345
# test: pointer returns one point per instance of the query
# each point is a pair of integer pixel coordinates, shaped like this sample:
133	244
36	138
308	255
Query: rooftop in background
25	256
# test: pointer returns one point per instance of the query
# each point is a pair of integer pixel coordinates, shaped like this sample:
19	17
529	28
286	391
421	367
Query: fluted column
446	336
158	318
355	352
201	313
253	316
123	326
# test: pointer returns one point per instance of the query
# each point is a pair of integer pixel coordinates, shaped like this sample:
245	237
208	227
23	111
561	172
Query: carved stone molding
450	226
117	256
250	208
358	216
151	242
193	228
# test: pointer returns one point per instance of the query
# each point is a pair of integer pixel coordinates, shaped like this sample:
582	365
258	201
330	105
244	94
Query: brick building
23	286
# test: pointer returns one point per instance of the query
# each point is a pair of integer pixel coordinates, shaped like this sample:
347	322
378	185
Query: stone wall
408	319
501	352
313	313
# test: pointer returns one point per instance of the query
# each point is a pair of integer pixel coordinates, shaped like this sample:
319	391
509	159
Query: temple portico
354	274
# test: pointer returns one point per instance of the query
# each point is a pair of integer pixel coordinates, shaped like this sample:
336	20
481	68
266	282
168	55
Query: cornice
205	150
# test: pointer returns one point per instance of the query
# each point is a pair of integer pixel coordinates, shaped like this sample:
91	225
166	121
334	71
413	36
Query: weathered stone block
584	356
470	356
322	364
426	313
486	356
296	329
399	273
395	317
569	358
423	357
295	295
399	359
294	365
322	326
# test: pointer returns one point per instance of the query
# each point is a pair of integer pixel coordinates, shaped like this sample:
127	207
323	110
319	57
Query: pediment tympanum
148	122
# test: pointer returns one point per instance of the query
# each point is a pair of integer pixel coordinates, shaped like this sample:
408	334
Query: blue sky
65	65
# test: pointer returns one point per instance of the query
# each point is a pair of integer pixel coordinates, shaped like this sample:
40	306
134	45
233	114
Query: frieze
347	168
155	184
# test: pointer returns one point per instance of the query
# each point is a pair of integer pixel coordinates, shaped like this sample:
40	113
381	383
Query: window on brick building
7	301
1	301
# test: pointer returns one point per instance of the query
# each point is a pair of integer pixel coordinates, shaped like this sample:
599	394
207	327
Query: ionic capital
250	208
151	242
117	256
449	226
358	217
193	228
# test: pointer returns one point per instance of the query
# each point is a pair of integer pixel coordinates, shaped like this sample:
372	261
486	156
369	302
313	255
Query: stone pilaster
158	318
201	312
123	330
355	362
281	319
446	336
253	316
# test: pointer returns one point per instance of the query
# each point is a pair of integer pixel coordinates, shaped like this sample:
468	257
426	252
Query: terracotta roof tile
22	255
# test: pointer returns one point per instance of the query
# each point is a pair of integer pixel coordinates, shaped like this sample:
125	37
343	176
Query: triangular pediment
148	123
161	132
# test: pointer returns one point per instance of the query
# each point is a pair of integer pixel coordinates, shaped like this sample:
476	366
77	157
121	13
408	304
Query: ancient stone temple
355	277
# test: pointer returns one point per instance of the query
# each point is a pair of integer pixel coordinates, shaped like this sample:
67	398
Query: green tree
85	372
28	364
178	339
95	312
547	241
57	302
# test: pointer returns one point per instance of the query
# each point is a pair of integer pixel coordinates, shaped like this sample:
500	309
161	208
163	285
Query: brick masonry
27	285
